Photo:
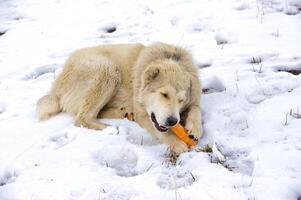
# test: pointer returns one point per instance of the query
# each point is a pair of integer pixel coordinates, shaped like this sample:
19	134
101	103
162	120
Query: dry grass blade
205	149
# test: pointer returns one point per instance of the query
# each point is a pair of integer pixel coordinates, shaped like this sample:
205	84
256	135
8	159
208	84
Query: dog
157	84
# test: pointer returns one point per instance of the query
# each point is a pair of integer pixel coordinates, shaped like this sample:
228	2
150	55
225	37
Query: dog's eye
164	95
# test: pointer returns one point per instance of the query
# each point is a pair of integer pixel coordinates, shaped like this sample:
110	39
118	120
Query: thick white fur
109	81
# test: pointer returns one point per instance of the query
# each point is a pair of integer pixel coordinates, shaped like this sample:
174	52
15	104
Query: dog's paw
193	131
177	147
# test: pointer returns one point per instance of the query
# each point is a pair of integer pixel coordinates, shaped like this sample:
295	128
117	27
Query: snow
250	63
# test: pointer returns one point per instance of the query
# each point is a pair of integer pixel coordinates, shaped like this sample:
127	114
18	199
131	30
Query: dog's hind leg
106	82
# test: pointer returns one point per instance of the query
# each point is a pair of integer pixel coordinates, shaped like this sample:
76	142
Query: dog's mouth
158	127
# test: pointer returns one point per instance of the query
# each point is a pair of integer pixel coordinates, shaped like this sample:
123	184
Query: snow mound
223	37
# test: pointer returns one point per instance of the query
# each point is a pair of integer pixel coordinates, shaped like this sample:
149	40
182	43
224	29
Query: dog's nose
171	121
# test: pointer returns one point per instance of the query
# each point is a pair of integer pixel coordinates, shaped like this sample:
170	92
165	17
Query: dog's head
164	93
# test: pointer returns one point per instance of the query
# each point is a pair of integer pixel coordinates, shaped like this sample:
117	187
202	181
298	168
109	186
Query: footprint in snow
2	32
2	108
61	139
108	27
140	137
115	191
294	69
122	160
117	196
241	6
173	179
39	71
7	177
212	84
239	161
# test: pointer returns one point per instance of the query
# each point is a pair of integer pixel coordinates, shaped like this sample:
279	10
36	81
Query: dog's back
86	68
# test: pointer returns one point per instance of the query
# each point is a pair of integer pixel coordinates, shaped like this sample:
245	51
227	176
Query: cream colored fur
109	81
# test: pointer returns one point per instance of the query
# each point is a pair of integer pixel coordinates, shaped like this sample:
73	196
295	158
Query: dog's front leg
193	122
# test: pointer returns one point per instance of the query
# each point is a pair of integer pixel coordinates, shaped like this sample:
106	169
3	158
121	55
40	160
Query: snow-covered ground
249	54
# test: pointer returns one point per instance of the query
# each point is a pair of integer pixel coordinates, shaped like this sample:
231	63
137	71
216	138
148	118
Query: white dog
159	84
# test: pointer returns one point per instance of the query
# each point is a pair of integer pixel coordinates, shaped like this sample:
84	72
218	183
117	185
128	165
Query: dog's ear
150	74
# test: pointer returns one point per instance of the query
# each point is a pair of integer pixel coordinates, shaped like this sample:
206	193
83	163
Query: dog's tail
48	106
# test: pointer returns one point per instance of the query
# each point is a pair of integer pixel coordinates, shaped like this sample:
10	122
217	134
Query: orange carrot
178	129
182	134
